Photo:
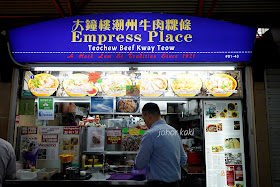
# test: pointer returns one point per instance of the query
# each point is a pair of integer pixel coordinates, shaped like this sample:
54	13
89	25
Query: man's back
7	160
163	146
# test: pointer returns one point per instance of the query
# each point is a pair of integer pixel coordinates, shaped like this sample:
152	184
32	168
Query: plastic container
26	174
130	162
194	157
46	173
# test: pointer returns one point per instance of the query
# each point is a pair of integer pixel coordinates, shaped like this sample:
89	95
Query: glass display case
96	115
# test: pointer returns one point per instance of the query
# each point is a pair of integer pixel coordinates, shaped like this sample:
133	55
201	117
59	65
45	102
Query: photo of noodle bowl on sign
152	85
115	84
43	84
78	85
221	85
186	85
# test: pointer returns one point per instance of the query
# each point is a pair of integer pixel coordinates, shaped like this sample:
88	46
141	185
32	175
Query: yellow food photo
152	85
211	128
186	85
234	114
223	115
78	85
43	84
221	85
115	84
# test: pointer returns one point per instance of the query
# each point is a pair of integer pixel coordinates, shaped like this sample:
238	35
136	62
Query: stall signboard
132	37
224	143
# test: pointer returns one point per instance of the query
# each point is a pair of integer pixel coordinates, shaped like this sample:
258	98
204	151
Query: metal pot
71	172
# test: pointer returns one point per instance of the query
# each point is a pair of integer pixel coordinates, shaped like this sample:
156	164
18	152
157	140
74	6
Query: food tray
26	174
46	173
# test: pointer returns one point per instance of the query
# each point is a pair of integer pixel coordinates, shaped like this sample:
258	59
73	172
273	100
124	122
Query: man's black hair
151	108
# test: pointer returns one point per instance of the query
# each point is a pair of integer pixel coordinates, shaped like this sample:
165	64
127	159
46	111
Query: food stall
84	80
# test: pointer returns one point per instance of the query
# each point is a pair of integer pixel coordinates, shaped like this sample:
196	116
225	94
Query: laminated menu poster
49	146
224	143
95	139
29	146
114	136
48	151
131	139
69	143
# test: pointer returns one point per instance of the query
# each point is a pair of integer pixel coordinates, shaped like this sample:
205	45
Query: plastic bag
138	175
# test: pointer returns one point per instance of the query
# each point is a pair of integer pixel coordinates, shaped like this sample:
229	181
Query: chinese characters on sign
157	33
114	136
131	24
50	138
28	130
71	130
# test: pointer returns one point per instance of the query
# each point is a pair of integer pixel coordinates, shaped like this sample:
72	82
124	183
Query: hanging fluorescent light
190	68
81	68
70	100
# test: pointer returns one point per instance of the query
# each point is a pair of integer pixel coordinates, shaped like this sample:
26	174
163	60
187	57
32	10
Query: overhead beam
69	7
33	16
81	3
58	8
209	13
79	6
200	7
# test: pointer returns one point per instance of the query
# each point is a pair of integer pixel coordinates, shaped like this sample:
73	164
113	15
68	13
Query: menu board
224	143
135	83
69	143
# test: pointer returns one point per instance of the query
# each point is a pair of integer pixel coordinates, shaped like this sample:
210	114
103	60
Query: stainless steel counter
97	179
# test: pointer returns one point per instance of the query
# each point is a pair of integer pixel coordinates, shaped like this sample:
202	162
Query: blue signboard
102	105
132	37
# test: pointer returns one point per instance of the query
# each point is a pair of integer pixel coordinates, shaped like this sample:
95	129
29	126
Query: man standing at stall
7	161
161	151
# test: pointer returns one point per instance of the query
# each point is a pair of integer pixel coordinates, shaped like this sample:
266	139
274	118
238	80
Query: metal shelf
112	152
190	118
86	99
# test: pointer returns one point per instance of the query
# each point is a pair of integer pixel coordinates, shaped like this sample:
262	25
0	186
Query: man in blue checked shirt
161	151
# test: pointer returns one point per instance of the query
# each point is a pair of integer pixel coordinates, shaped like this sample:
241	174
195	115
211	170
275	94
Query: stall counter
97	179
